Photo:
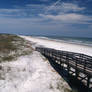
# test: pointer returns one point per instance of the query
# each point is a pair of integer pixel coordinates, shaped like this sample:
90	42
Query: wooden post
67	60
80	62
76	70
88	82
84	66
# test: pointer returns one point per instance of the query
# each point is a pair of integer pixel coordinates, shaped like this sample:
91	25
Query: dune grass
12	46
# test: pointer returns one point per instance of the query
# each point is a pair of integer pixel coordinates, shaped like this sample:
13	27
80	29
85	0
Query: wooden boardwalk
78	65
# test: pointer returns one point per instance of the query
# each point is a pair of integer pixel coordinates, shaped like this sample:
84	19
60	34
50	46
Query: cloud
72	7
29	10
64	17
32	10
62	7
59	12
55	18
66	13
10	12
69	18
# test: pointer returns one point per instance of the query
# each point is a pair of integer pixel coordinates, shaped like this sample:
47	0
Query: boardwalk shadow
75	84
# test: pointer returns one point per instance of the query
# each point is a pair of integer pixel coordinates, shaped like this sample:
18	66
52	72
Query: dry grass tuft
12	46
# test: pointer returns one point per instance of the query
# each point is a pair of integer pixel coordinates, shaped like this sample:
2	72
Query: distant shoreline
62	41
66	46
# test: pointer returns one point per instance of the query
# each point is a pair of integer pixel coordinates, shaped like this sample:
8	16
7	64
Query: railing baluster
80	62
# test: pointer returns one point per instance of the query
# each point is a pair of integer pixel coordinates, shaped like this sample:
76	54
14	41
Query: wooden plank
80	62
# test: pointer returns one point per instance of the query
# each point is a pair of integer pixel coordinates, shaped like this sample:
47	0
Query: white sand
60	45
31	73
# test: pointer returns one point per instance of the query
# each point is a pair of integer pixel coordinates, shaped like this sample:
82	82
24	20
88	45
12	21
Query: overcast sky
46	17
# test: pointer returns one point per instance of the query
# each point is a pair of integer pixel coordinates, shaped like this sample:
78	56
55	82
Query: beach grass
13	46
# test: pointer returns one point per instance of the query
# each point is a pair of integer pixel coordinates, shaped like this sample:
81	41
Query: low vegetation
13	46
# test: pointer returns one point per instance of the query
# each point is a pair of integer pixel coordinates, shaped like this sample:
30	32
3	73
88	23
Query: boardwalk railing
78	65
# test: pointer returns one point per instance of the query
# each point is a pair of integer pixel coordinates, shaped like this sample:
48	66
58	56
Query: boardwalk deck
79	65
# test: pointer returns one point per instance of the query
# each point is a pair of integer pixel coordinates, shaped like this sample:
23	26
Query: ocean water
75	40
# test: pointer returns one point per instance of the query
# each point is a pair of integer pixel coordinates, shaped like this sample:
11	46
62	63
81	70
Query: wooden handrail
80	62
